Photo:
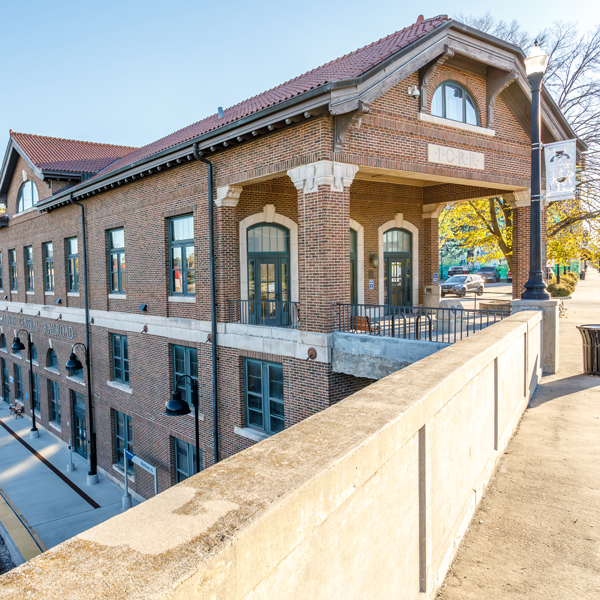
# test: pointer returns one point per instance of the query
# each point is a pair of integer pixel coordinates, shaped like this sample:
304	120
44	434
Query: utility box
431	296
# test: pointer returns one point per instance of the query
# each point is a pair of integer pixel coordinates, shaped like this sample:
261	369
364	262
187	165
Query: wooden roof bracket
497	81
343	122
426	73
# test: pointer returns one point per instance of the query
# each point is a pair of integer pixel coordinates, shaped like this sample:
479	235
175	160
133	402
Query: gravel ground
6	563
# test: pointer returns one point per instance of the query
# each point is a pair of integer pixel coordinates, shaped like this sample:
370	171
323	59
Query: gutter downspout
92	475
213	303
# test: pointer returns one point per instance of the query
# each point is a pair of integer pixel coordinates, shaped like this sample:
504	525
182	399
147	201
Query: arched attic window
28	196
453	101
52	360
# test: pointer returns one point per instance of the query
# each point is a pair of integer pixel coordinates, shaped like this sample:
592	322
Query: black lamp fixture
17	346
74	364
176	406
535	66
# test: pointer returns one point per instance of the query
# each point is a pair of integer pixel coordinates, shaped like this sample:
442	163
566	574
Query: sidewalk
536	534
41	507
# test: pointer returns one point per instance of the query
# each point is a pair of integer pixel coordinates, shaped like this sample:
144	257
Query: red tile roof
355	64
71	156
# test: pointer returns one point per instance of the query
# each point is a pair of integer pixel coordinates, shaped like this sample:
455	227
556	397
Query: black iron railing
270	313
447	325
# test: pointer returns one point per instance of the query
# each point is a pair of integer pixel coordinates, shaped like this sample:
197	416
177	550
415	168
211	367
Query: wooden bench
363	324
16	410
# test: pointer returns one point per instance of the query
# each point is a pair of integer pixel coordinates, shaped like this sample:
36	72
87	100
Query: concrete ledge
365	500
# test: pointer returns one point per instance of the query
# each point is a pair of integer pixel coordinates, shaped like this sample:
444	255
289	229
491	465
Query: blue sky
130	72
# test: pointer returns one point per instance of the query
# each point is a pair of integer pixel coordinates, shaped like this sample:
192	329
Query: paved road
536	534
38	507
492	291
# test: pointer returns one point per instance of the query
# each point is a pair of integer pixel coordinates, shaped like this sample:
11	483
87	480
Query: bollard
71	464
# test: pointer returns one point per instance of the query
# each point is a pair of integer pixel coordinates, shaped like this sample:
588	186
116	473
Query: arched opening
269	291
52	360
397	267
453	101
28	196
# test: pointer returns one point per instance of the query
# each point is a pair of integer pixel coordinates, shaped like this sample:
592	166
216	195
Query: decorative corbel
497	81
342	123
426	73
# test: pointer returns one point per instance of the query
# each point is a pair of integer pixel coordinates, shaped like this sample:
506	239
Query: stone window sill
251	434
117	296
55	426
51	370
30	292
456	124
120	386
73	294
190	299
119	469
76	380
49	293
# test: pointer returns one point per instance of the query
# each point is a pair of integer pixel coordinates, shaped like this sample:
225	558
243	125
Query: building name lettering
455	157
55	329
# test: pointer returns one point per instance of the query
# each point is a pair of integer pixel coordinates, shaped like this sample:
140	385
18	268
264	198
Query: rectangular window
72	265
18	383
29	268
1	273
36	392
185	460
185	362
120	359
12	256
264	396
123	439
116	250
49	266
183	271
54	401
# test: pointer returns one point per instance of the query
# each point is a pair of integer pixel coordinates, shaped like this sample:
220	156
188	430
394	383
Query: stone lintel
309	178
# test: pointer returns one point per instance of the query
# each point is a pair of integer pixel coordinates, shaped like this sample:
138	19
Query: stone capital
309	178
433	211
519	199
228	195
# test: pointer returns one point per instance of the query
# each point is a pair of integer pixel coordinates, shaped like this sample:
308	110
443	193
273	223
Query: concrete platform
38	508
536	534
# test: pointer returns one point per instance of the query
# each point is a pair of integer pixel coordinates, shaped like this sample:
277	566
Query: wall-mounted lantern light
374	258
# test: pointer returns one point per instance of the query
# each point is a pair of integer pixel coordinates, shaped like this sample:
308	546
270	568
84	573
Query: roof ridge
49	137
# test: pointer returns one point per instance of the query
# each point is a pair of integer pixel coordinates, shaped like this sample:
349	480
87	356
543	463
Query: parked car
489	274
461	270
509	277
461	285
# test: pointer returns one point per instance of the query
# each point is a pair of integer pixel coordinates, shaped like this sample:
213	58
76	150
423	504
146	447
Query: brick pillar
430	248
227	253
520	268
323	241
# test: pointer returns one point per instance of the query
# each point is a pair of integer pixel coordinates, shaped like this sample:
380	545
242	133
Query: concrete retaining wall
365	500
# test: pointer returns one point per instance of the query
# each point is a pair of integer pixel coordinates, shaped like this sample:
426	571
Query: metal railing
269	313
447	325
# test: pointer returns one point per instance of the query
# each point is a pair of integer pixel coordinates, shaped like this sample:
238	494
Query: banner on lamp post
560	170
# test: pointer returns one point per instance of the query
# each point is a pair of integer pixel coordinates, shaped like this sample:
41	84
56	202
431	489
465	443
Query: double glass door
398	280
79	425
268	291
5	381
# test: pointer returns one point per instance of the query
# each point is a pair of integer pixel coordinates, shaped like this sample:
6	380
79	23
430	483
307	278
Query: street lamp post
535	288
74	364
177	406
17	346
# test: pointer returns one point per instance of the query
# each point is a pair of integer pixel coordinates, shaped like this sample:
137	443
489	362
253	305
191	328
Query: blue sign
371	284
435	278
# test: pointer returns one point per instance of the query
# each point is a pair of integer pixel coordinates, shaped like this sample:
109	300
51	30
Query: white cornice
309	178
228	195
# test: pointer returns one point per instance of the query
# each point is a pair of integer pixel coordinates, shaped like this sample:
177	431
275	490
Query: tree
573	81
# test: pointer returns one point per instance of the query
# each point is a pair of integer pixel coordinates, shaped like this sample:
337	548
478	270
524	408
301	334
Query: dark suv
461	270
461	285
489	274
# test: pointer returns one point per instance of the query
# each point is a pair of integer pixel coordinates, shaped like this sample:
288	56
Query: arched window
52	360
34	354
3	342
268	275
28	196
453	101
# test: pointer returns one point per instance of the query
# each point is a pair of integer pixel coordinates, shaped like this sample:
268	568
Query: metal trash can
581	274
591	348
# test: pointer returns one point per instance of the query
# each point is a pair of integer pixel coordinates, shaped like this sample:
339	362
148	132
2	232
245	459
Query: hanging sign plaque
560	170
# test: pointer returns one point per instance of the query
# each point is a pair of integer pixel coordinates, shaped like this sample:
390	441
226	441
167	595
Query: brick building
326	190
